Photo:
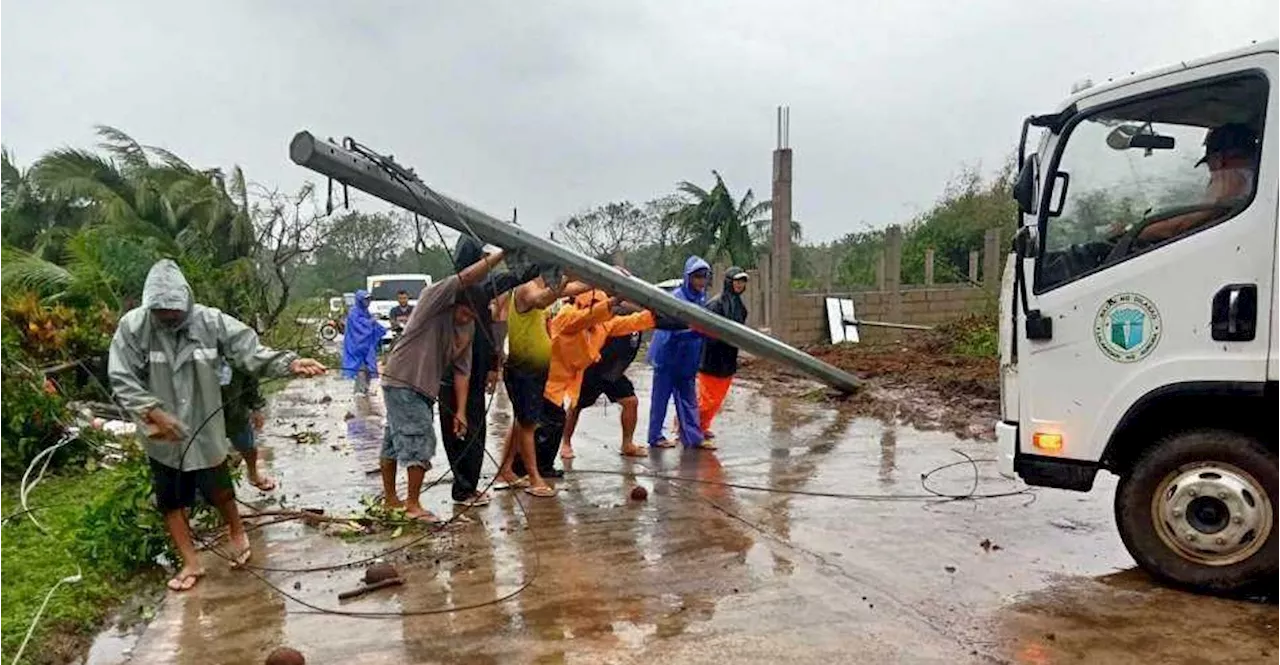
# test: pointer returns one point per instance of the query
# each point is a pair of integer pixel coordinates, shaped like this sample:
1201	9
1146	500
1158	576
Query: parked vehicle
1138	313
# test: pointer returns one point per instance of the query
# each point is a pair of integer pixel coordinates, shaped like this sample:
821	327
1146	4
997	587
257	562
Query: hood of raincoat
466	252
167	288
585	300
686	291
730	301
681	350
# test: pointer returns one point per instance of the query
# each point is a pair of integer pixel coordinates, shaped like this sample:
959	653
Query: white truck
1138	314
383	293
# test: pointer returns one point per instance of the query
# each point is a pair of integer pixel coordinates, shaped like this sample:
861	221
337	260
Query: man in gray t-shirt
436	338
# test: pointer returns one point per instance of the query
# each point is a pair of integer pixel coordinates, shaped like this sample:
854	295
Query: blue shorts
410	436
244	441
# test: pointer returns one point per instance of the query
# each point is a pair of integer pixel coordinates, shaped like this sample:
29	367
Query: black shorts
524	389
594	386
176	489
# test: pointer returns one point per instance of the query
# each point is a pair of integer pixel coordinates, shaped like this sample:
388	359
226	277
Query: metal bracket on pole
387	181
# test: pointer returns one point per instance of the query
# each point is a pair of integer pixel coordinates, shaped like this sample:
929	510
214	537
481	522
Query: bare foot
632	450
566	452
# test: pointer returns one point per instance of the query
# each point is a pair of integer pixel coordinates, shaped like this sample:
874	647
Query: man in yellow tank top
525	376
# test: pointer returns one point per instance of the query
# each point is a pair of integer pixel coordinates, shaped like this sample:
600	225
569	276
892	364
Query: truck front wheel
1199	510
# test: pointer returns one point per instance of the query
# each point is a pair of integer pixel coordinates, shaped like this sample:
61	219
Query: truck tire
1198	510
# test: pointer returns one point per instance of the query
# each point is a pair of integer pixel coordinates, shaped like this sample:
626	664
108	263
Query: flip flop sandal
180	583
265	485
665	443
708	435
543	492
638	451
706	445
475	501
568	454
426	518
519	483
239	559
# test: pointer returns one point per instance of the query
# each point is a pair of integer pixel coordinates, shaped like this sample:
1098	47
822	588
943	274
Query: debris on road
285	656
639	493
378	576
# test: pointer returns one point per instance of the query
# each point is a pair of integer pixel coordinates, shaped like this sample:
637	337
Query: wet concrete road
703	572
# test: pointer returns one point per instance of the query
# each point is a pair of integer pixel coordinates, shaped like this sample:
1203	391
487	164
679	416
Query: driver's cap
1231	137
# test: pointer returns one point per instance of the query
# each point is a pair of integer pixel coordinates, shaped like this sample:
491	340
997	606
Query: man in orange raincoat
578	333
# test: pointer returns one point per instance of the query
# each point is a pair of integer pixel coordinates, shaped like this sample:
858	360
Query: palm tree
165	198
714	224
134	204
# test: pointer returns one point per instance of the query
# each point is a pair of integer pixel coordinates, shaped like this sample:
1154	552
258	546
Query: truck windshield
388	288
1151	171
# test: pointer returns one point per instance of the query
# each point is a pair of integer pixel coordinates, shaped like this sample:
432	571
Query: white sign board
840	310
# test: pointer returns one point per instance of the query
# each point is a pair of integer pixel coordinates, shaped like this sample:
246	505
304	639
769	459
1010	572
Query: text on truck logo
1127	327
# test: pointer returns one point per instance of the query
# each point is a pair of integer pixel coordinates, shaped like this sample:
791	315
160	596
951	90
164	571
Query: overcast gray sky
556	106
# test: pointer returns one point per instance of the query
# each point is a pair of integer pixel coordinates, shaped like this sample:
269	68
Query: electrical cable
929	495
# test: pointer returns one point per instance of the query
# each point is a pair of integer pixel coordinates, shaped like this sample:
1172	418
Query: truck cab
1138	316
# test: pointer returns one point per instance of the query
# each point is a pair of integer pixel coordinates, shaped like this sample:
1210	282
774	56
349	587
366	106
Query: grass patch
34	562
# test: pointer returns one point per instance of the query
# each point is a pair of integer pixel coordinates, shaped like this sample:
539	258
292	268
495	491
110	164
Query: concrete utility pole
781	263
379	175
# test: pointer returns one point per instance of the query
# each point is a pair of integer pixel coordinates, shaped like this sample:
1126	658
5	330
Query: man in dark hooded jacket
720	359
466	453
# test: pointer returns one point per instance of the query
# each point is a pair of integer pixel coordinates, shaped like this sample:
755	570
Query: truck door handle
1235	313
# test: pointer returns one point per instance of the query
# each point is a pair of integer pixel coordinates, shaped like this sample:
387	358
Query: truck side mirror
1024	189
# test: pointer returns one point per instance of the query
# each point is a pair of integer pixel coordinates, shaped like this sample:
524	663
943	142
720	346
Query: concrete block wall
891	301
920	306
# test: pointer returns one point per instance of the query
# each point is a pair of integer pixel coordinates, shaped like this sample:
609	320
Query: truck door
1157	234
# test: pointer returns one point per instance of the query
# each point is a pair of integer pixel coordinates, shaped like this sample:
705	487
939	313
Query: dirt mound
920	378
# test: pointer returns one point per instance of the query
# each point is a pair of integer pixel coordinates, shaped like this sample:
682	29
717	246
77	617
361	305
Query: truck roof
1265	46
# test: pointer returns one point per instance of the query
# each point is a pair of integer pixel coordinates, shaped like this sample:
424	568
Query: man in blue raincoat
675	356
360	343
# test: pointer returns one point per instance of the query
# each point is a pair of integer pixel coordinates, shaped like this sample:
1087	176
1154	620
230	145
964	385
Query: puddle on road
705	570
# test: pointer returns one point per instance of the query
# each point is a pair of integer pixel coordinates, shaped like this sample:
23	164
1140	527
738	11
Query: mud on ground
916	379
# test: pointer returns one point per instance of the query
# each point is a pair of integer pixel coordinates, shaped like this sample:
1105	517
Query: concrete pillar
928	267
991	260
893	271
755	299
766	290
781	259
973	267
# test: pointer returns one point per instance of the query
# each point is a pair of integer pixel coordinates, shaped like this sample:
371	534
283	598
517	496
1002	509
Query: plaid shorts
410	436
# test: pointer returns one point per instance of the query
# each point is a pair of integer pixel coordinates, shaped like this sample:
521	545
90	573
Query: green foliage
975	336
121	529
713	224
956	225
34	562
34	415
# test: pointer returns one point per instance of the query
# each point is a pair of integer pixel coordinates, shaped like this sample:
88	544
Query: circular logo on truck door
1127	327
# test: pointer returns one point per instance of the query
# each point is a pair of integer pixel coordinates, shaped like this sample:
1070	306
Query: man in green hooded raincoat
163	365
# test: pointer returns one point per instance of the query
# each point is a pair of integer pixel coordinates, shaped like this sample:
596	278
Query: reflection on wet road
703	572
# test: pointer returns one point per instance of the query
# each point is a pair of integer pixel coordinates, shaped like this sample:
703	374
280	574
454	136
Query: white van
382	294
